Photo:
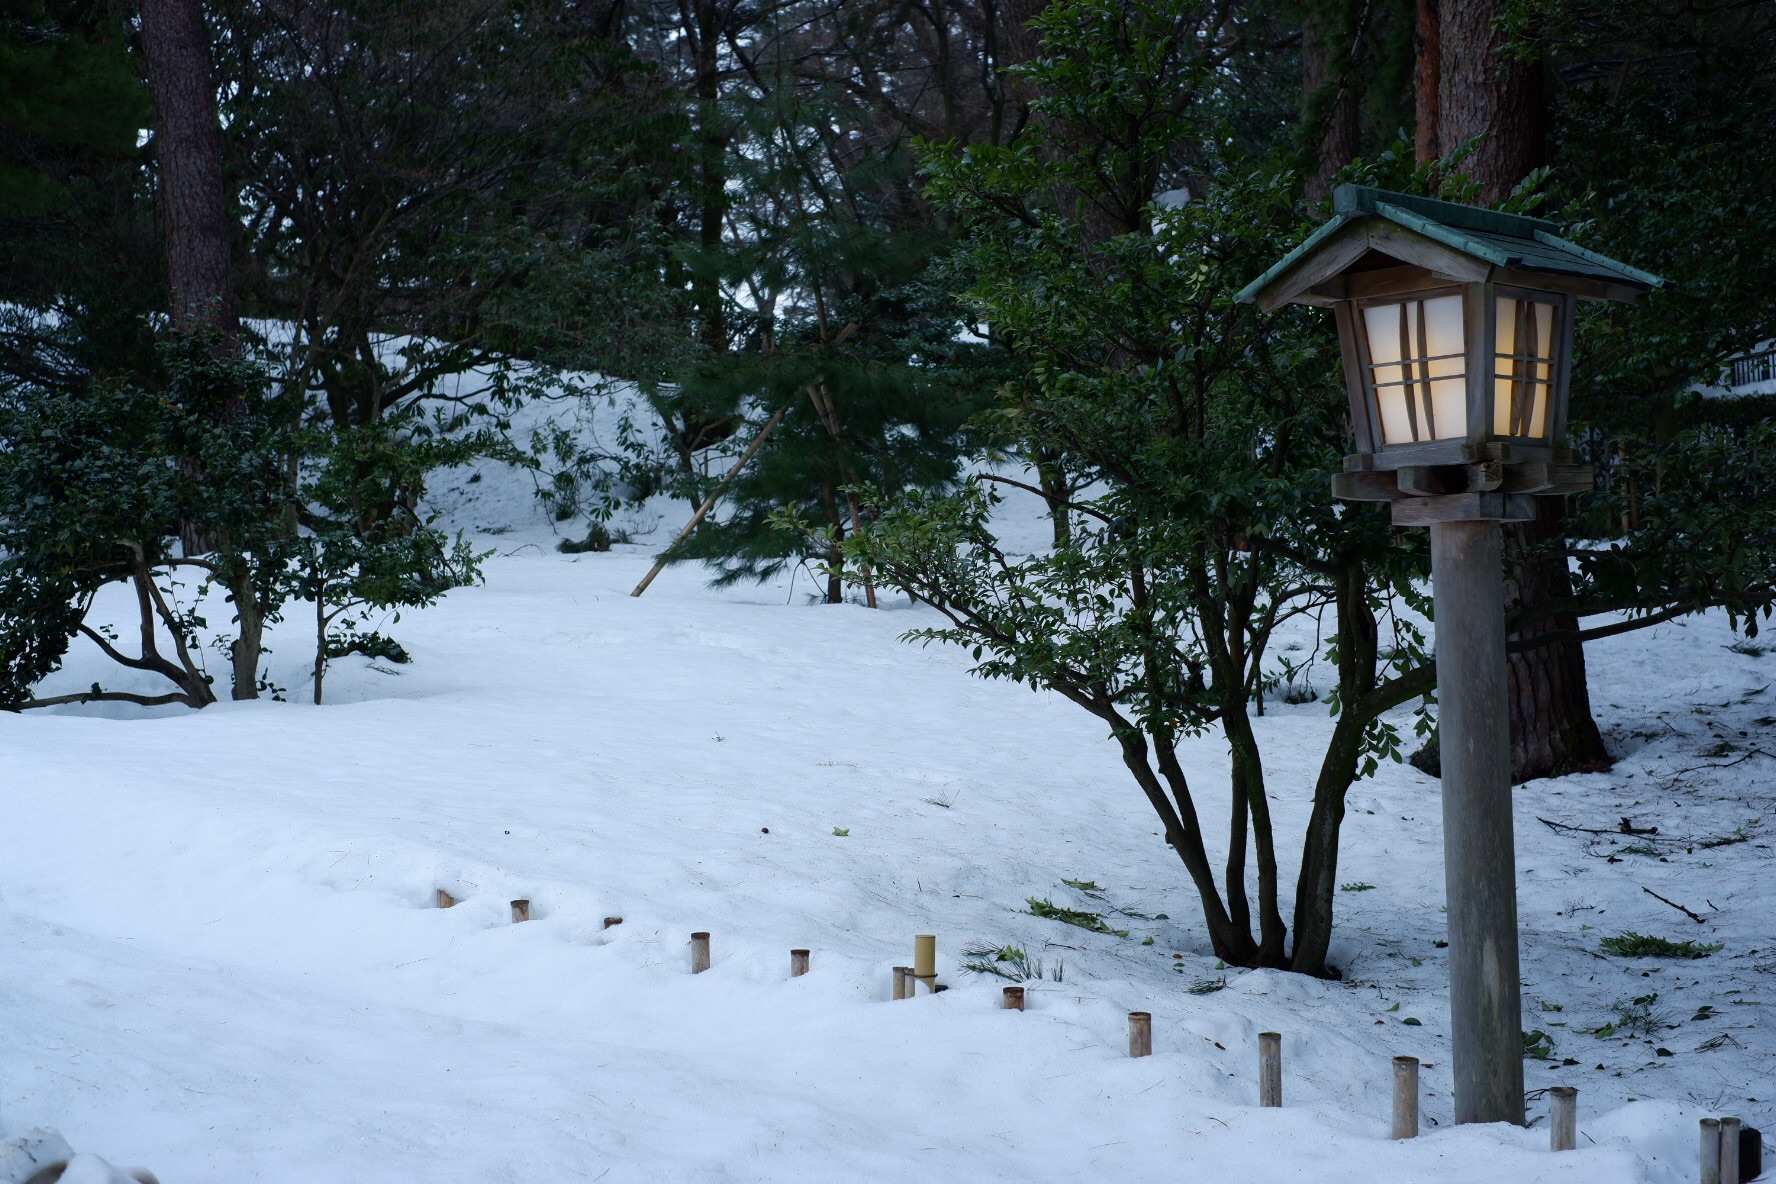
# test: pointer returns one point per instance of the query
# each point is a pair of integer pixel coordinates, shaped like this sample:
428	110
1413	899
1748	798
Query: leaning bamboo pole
758	442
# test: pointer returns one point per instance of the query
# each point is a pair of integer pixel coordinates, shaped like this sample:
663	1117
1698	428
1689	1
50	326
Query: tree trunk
193	205
188	154
251	643
706	30
1552	732
1247	775
1183	833
1053	480
1330	96
1484	94
320	664
1427	75
1358	645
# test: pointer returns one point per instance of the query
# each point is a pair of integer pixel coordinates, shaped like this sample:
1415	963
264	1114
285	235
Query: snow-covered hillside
222	957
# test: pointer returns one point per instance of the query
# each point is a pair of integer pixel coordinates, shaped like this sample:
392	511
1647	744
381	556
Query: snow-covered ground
221	956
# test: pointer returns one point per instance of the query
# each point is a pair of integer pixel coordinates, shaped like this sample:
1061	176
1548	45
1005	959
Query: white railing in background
1752	368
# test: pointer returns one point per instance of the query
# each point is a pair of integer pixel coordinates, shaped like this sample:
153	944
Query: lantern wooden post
1479	863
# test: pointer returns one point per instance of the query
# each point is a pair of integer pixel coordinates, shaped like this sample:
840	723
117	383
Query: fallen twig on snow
1680	908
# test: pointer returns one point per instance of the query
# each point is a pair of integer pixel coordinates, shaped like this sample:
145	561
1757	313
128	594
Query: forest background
268	263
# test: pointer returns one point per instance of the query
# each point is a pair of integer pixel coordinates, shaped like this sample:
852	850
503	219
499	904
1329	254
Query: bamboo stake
520	911
798	963
1729	1151
1563	1118
445	900
709	502
1711	1147
1014	999
699	953
1405	1098
609	921
1270	1068
925	961
1140	1034
903	982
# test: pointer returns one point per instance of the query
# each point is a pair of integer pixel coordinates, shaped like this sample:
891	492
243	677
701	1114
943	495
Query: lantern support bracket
1465	507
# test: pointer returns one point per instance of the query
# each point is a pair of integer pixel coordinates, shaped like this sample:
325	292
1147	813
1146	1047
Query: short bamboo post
1270	1068
1405	1098
699	953
609	921
1729	1152
520	910
445	900
903	981
1711	1157
1014	999
798	963
1140	1034
925	961
1563	1118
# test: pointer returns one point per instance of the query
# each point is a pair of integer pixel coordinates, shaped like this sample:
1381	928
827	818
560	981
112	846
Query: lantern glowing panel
1523	367
1417	374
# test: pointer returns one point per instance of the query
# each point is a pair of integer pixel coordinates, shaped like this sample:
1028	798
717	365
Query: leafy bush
1639	945
1049	910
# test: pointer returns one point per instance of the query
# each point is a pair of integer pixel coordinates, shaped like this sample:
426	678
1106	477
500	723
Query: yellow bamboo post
445	900
520	911
925	960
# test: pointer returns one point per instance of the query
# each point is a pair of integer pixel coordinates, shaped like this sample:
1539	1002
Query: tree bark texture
1483	91
1552	732
1427	74
188	154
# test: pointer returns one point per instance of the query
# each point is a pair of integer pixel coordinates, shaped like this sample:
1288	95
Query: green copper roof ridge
1353	198
1448	236
1590	256
1275	271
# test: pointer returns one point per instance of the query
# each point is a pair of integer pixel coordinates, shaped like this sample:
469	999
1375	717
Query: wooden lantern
1456	325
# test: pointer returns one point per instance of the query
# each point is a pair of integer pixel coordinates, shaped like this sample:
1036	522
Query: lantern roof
1374	228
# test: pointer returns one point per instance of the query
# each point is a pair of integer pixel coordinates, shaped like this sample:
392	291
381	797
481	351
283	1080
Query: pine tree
818	298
